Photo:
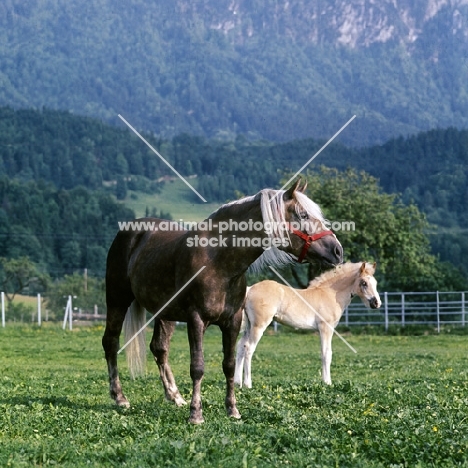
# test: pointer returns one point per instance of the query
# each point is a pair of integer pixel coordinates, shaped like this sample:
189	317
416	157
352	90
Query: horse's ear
289	194
303	188
363	267
374	266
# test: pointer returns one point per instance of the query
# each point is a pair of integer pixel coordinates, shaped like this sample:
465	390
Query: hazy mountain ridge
353	23
278	70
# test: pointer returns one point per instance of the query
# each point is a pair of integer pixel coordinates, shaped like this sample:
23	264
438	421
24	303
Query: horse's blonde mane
338	272
272	205
312	209
273	208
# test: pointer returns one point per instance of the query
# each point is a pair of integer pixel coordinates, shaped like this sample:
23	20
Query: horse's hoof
122	402
176	399
179	401
196	420
234	413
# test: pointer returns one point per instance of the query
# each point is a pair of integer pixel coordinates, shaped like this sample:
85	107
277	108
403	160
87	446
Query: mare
320	306
197	276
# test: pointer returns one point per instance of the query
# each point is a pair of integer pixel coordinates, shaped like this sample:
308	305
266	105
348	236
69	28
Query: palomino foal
320	306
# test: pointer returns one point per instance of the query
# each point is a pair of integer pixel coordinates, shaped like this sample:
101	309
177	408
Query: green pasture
176	198
401	401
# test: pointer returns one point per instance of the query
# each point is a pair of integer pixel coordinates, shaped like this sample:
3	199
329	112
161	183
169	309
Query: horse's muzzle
374	303
339	253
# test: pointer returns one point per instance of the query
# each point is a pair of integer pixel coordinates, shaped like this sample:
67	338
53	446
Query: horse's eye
303	215
363	284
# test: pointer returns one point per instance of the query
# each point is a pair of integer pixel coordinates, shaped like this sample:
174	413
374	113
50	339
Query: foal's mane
339	272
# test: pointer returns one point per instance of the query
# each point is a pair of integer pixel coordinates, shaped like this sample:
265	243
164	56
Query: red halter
308	240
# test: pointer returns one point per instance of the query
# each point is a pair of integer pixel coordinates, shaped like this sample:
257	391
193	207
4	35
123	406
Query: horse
196	275
320	306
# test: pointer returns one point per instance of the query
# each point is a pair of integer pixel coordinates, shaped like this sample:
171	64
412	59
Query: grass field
175	198
400	401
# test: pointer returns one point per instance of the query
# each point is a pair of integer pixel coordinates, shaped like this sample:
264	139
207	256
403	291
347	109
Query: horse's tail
136	349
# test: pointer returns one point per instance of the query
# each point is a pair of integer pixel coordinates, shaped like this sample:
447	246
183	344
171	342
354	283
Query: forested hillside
59	230
276	70
429	168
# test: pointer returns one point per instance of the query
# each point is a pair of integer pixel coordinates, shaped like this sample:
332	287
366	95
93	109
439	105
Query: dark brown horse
146	269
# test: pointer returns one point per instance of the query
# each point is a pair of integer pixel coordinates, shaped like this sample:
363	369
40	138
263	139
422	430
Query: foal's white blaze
367	291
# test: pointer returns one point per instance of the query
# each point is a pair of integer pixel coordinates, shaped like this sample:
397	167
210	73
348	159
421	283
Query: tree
70	253
16	274
121	188
85	296
385	230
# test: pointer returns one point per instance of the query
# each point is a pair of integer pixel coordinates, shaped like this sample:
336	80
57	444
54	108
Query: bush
19	312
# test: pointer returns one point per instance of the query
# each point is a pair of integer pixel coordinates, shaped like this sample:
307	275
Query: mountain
276	70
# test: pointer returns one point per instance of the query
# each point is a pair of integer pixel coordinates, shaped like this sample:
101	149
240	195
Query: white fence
401	309
411	308
71	313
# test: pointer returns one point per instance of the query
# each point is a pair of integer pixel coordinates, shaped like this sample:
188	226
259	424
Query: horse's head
310	239
365	286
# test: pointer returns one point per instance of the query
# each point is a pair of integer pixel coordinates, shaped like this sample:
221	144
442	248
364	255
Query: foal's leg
256	333
196	329
159	346
110	343
230	330
240	354
326	335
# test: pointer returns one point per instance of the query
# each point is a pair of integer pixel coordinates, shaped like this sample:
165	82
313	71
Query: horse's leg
230	331
159	346
326	335
110	343
195	330
256	333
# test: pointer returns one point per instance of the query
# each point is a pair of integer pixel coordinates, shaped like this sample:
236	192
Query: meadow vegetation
400	401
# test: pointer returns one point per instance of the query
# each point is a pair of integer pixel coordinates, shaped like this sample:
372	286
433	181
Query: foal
320	306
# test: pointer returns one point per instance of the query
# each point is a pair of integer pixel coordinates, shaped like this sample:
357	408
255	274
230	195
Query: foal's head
365	286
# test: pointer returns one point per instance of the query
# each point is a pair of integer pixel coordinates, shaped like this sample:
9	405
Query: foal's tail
245	319
244	322
136	349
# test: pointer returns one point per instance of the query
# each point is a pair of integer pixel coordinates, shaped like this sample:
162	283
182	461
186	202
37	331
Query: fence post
386	310
68	313
463	308
39	318
71	312
402	309
438	311
3	309
346	317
